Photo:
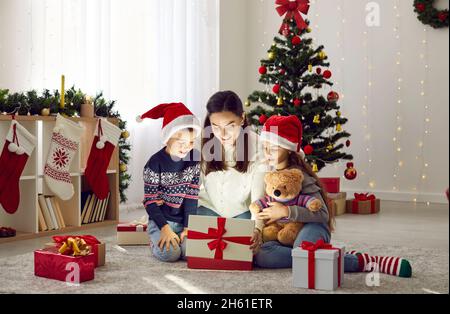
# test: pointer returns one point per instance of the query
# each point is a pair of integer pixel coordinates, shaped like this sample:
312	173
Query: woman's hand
275	212
167	238
256	241
184	234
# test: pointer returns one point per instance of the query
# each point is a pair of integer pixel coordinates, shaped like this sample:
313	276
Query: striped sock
395	266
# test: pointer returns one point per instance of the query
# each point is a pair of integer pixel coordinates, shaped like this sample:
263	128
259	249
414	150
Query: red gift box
98	248
49	263
331	185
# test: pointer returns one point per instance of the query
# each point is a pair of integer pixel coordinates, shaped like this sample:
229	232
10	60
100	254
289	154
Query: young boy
171	179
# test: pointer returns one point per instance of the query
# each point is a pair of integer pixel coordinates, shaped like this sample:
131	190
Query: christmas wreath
429	15
48	103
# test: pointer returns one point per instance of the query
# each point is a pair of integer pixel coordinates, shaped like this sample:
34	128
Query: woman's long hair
295	160
226	101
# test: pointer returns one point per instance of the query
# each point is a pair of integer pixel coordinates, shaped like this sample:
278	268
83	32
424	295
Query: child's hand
167	238
256	241
184	234
275	212
160	203
315	205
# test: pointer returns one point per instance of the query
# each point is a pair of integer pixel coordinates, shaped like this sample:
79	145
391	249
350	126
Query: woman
233	172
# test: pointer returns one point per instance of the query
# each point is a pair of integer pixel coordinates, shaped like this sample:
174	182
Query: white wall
253	29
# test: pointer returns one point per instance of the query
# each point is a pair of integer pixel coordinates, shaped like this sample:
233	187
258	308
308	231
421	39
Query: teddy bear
284	187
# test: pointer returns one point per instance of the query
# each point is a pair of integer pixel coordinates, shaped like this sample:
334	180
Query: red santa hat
176	118
286	132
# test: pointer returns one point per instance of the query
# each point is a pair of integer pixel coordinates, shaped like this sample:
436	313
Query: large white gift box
219	243
318	266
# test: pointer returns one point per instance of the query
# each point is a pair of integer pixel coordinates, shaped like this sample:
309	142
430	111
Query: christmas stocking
18	147
64	145
105	141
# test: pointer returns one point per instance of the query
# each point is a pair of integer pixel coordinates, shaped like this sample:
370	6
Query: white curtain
138	52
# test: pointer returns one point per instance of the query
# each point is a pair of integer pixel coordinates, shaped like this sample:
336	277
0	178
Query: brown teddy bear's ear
297	173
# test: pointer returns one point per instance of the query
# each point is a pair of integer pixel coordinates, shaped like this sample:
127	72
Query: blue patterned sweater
176	183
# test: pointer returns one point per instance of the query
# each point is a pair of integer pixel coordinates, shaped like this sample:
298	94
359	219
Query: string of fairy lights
399	82
368	63
420	158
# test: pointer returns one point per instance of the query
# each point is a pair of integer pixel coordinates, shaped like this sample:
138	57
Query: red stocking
18	147
105	141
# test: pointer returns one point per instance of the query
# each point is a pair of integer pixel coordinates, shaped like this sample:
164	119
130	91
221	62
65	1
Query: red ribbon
90	240
292	9
364	197
219	243
312	248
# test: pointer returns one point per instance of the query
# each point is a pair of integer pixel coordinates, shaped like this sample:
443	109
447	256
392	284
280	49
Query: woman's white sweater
229	193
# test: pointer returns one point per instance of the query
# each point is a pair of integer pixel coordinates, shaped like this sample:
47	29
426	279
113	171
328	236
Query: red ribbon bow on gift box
90	240
292	9
361	197
312	248
219	243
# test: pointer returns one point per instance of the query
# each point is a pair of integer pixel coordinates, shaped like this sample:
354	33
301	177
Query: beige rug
134	270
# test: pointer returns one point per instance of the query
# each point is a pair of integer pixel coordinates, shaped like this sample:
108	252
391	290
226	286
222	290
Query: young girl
282	139
171	179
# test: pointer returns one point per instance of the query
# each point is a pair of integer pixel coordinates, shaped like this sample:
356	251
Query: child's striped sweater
176	183
301	201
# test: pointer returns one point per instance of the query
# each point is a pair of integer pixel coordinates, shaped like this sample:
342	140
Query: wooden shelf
28	236
32	182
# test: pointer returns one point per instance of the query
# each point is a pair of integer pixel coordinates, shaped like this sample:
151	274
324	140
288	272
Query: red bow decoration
364	197
292	9
90	240
312	248
219	243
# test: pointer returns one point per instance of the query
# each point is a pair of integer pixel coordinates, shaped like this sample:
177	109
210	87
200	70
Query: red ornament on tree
296	40
327	74
263	119
421	7
276	89
282	71
333	97
348	143
350	172
308	149
262	70
297	102
319	71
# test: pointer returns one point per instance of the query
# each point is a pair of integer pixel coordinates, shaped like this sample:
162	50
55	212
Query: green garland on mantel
32	103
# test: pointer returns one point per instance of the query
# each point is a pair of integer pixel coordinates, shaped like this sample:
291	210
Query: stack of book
50	214
92	209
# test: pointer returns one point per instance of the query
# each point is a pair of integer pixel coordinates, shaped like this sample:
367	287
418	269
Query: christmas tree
297	77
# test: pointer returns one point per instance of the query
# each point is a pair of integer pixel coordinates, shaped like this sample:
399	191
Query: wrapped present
364	204
219	243
98	248
339	201
133	233
331	185
50	263
318	266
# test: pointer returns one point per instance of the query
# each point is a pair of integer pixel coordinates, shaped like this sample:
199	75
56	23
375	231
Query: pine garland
32	103
429	15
